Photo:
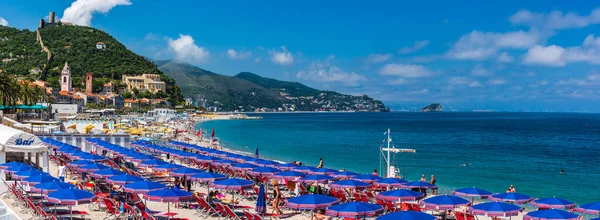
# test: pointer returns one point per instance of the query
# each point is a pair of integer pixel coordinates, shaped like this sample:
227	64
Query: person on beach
375	173
320	163
61	171
512	188
432	181
320	215
277	195
423	178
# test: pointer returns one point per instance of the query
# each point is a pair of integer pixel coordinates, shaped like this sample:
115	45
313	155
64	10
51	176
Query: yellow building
145	82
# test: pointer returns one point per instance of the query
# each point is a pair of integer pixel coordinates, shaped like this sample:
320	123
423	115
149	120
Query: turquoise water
525	149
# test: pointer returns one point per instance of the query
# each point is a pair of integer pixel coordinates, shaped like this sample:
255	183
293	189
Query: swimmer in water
562	172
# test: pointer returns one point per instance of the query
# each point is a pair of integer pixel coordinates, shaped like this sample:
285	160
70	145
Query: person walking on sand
423	178
61	171
432	181
375	173
320	163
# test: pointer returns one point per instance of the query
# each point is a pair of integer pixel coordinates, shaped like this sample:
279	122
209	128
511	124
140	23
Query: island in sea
435	107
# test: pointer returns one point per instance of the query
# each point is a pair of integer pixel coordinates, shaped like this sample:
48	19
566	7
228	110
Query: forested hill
22	55
250	92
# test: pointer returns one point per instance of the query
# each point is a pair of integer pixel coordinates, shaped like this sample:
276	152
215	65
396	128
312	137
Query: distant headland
435	107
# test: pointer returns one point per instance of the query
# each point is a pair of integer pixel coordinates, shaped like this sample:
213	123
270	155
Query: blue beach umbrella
267	163
52	186
16	169
511	197
168	196
106	173
223	162
315	179
10	164
167	167
553	203
205	159
80	163
232	184
344	174
471	192
407	215
289	175
124	179
354	209
304	169
589	208
550	214
243	166
207	177
390	182
70	196
286	166
366	178
265	171
143	187
400	194
152	163
26	173
93	167
350	184
495	209
42	178
311	202
444	202
185	172
323	171
92	157
261	201
419	185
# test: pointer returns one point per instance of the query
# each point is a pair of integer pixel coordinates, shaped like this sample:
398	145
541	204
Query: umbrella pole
168	210
71	211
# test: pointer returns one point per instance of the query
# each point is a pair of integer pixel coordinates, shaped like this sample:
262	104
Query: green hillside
248	91
77	46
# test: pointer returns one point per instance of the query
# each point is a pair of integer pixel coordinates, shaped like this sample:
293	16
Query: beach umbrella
207	177
354	209
80	163
419	185
243	166
495	209
471	192
344	174
92	157
168	196
223	162
26	173
265	171
267	163
311	202
52	186
204	159
167	167
286	166
351	184
42	178
143	187
553	203
304	169
315	179
289	175
152	163
232	184
185	172
400	194
407	215
511	197
389	182
261	201
16	169
141	157
10	164
124	179
444	202
323	171
93	167
366	178
550	214
106	173
589	208
70	197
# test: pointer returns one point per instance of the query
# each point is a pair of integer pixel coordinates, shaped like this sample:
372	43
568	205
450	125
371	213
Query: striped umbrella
495	209
143	187
444	202
350	184
553	203
232	184
400	194
550	214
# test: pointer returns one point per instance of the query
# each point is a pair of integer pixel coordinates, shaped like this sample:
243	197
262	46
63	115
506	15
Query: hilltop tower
65	78
51	18
89	77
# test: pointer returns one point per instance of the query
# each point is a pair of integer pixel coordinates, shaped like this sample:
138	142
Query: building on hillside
108	88
188	101
145	82
100	46
65	79
89	83
130	103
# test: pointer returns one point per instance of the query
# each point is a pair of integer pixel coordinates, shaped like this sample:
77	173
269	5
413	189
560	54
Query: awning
13	140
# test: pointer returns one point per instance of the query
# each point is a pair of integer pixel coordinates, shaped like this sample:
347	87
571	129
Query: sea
541	154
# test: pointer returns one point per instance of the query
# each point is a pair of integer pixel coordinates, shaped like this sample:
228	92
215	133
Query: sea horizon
484	139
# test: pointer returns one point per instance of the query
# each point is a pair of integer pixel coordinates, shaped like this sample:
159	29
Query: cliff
435	107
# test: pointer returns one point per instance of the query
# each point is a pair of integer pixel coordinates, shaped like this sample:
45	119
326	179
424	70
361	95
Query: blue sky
508	55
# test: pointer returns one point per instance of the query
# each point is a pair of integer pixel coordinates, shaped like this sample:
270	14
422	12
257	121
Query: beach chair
390	206
343	197
232	214
356	197
382	204
247	195
221	209
363	197
112	211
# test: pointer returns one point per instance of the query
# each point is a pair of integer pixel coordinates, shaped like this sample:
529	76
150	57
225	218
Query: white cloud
589	80
81	11
553	55
555	20
497	81
257	60
186	50
504	58
326	72
400	81
478	70
422	91
478	45
418	45
475	84
235	55
3	22
459	80
405	70
283	57
378	57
